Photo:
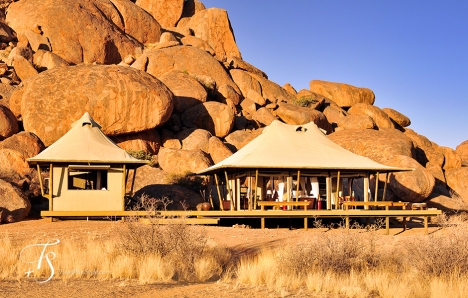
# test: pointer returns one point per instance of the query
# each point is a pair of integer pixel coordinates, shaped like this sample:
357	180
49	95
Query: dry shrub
441	254
174	244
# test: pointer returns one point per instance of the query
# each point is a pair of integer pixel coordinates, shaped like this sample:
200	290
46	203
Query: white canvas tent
295	150
87	171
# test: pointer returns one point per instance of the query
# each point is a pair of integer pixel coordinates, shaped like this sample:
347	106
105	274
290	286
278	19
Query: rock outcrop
121	99
456	180
14	206
107	31
213	25
412	186
381	120
397	117
462	151
166	12
375	144
343	94
215	117
183	161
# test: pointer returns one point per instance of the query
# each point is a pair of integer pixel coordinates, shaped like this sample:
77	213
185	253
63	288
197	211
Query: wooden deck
211	217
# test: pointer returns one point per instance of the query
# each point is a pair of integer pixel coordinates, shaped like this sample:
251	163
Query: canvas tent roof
85	143
284	146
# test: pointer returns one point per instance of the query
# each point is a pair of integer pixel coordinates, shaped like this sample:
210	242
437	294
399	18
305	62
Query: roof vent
300	128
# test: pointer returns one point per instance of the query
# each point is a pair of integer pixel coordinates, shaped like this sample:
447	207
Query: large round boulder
8	123
44	60
147	175
213	25
245	81
215	117
121	99
218	150
412	186
451	158
381	119
240	138
79	31
187	91
296	115
462	150
166	12
264	116
183	161
425	150
355	121
26	143
456	180
343	94
14	205
195	139
271	91
148	141
376	144
193	61
397	117
13	167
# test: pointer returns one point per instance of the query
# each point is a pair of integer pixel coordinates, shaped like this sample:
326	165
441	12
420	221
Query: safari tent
303	158
87	171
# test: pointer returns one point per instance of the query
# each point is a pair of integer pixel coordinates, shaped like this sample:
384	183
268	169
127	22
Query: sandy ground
241	240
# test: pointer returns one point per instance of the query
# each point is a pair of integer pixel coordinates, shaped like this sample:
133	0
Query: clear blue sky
412	54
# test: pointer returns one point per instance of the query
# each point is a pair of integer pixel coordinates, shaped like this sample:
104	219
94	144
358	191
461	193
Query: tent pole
255	192
250	191
376	186
338	190
51	189
329	191
298	183
366	190
40	179
133	181
124	185
228	187
385	187
219	191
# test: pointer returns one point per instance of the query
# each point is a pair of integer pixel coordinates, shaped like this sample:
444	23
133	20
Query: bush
305	101
184	249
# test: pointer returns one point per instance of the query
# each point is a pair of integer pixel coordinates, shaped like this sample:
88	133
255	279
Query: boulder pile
166	77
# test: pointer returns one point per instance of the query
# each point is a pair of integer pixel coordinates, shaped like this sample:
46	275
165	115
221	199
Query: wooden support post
51	187
426	225
40	179
366	190
219	191
298	184
229	190
337	203
306	221
255	192
376	186
262	220
124	185
238	194
328	190
385	187
133	181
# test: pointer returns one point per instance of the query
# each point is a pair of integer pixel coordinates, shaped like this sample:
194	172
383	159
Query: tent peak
86	119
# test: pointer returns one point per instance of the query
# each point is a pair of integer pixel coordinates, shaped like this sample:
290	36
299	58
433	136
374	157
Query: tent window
87	180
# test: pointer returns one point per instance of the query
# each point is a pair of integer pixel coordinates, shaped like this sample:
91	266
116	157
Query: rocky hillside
166	77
